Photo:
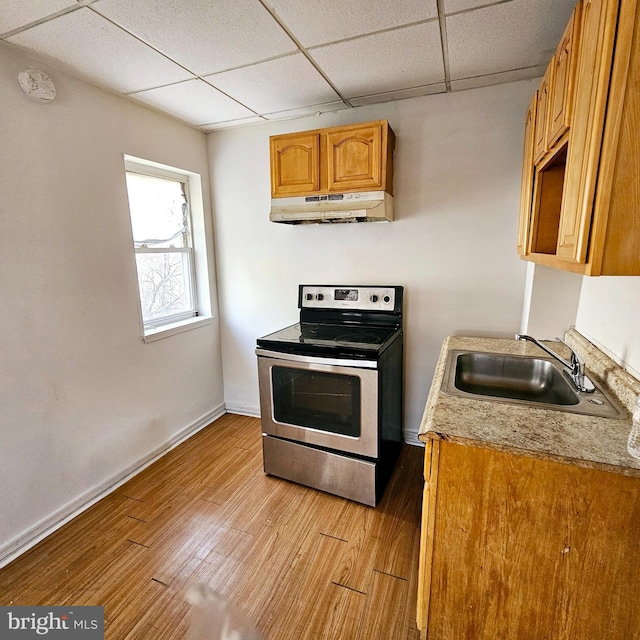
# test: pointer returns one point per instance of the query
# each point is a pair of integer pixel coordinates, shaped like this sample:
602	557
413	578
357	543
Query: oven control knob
309	296
374	298
386	299
319	297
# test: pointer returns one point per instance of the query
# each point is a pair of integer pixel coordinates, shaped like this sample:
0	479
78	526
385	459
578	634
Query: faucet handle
575	358
580	378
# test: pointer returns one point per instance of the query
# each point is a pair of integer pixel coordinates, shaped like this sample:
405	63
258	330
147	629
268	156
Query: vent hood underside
370	206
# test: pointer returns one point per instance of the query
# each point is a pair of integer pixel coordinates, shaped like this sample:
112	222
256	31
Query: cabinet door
295	164
526	187
541	113
530	548
561	94
355	159
592	83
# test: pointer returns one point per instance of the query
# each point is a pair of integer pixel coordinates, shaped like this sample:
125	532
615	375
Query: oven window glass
318	400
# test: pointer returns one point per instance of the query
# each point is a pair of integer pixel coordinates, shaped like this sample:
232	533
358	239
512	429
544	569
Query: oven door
320	401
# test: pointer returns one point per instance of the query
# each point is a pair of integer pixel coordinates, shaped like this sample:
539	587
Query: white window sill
151	335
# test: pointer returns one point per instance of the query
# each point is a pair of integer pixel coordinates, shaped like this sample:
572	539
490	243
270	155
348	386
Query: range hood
370	206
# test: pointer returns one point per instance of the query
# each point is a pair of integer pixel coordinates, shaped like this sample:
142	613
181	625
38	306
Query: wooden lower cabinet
515	547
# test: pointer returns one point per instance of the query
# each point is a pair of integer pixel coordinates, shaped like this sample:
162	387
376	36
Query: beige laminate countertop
543	433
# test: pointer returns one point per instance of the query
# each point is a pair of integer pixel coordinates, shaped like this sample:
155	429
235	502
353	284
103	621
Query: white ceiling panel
194	101
503	37
497	78
100	51
414	92
307	111
204	36
315	22
228	124
17	13
450	6
276	85
275	59
388	61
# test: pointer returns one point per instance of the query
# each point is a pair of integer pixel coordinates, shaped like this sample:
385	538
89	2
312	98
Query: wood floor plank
305	587
301	563
385	609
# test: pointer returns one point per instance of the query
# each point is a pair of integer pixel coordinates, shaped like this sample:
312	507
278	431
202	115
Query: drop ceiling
224	63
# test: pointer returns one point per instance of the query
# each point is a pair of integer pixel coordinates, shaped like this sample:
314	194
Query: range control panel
356	298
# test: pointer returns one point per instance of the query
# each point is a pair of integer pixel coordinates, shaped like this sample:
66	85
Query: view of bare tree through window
160	224
161	282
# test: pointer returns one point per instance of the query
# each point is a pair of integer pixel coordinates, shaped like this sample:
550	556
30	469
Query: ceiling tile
497	78
94	48
315	22
502	37
415	92
17	13
450	6
389	61
194	101
204	36
307	111
275	85
240	122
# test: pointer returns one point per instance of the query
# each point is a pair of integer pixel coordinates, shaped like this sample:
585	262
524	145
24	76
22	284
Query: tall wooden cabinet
518	548
580	206
342	159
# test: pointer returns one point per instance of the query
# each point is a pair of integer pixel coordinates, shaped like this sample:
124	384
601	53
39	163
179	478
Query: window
163	239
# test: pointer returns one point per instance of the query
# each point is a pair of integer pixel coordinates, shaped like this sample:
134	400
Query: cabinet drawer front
355	159
295	165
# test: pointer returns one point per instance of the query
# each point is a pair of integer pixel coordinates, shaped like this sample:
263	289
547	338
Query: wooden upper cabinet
585	214
561	94
541	113
527	178
355	158
594	69
295	164
335	160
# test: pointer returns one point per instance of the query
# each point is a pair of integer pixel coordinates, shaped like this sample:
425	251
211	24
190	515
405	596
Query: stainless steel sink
533	381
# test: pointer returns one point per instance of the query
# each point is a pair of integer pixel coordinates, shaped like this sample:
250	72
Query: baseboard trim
243	410
411	437
29	538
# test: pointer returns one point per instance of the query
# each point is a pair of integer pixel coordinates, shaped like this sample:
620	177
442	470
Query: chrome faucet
575	367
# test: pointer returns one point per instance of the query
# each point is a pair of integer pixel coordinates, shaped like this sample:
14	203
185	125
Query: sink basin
534	381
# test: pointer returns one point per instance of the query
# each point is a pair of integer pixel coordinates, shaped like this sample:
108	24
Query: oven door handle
340	362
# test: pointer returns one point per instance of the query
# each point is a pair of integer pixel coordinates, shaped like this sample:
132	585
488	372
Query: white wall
83	399
609	316
457	181
550	302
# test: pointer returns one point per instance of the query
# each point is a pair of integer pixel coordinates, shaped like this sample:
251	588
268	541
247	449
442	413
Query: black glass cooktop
331	340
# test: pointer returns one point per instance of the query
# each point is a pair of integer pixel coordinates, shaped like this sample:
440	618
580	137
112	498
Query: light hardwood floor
301	563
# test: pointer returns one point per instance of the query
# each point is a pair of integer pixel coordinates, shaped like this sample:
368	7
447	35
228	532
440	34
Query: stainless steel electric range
331	391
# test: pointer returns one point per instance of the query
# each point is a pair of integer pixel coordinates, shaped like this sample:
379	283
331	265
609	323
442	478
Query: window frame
195	250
